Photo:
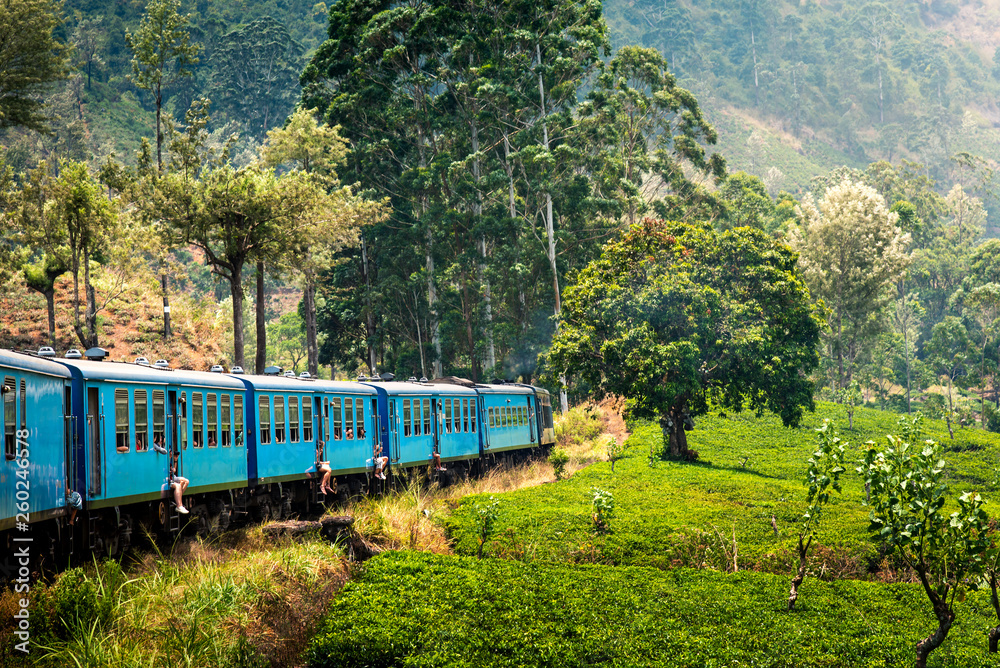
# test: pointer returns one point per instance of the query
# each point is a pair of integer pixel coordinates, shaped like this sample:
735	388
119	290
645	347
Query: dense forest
453	167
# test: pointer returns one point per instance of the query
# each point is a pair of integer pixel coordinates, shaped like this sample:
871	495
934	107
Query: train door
94	420
69	439
175	426
531	421
393	432
484	424
317	420
437	421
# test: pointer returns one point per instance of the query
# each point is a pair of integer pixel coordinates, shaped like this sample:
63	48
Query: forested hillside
803	87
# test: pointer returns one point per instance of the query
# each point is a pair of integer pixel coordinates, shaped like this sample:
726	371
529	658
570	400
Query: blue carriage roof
288	384
423	389
22	362
138	373
505	389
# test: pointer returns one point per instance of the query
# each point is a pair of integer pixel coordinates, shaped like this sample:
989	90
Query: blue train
248	445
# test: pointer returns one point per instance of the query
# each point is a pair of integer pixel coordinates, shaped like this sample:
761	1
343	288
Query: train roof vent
46	351
216	368
96	354
289	374
387	377
272	371
305	374
142	361
361	378
423	379
73	354
161	364
237	370
411	379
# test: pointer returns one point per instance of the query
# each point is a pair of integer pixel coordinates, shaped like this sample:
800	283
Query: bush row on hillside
414	609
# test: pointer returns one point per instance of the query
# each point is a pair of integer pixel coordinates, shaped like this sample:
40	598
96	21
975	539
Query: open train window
24	407
279	419
338	431
141	421
121	420
427	416
325	426
264	411
9	417
447	416
238	406
360	405
407	418
472	415
465	415
417	420
348	418
212	406
293	419
307	419
197	420
227	421
159	430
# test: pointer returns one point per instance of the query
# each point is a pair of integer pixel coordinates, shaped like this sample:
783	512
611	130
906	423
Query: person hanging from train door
178	483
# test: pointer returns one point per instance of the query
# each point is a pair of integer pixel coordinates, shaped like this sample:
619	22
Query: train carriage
509	415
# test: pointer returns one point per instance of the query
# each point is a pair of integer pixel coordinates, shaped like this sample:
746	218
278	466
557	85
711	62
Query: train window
279	419
417	419
465	415
293	419
121	420
506	416
198	419
407	418
141	421
360	405
212	406
348	418
9	417
338	431
159	430
447	416
264	411
489	416
427	416
326	418
238	406
182	420
472	415
307	419
227	420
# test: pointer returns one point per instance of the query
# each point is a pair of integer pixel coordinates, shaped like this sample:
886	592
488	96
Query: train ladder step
173	520
91	532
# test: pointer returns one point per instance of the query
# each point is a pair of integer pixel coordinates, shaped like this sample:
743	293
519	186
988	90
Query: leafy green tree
984	303
852	254
89	38
31	57
674	316
41	277
746	202
949	351
161	54
822	475
256	70
947	552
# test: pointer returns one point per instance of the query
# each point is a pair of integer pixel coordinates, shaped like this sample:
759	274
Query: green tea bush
579	425
559	458
417	609
603	505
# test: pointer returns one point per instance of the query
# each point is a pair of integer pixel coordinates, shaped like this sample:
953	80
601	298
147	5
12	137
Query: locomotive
250	446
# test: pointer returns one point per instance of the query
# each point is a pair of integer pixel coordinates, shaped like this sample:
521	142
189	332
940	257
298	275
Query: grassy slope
682	514
423	610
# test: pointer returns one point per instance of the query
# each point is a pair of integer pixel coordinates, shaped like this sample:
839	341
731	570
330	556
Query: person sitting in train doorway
324	467
177	483
380	462
75	503
436	455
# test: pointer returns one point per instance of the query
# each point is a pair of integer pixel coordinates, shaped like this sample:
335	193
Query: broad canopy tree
674	316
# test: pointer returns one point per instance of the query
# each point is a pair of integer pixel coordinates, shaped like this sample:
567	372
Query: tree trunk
261	358
369	314
432	300
90	315
159	134
906	346
801	574
166	306
994	635
674	436
945	619
50	304
236	289
309	297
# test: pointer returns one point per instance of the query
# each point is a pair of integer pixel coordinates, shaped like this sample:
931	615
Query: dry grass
409	518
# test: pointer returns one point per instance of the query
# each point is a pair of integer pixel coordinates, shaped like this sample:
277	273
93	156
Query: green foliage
31	57
419	609
603	505
616	450
946	550
559	458
673	316
486	515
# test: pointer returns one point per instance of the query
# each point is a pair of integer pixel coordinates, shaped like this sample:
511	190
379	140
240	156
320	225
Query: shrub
559	458
603	505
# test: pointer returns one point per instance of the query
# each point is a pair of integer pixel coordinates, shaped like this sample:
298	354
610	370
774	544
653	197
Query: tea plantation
416	609
691	569
685	514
